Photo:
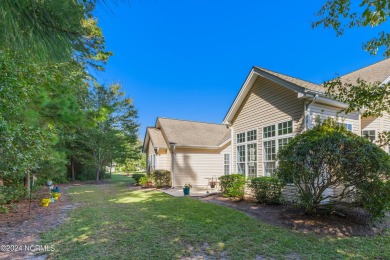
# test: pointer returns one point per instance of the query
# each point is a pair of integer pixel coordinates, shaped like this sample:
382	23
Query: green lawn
113	222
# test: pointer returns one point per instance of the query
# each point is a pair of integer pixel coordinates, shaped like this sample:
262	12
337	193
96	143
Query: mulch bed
24	225
340	223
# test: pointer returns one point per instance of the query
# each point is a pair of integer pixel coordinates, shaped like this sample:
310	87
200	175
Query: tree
343	14
330	156
369	98
115	131
52	30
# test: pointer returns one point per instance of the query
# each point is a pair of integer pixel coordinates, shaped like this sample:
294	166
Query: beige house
191	151
269	110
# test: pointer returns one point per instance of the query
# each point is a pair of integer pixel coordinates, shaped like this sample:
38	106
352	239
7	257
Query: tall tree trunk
98	173
28	183
73	175
110	167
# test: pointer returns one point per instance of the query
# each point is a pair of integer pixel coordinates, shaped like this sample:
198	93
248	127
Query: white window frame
276	139
368	136
245	144
345	125
152	162
226	163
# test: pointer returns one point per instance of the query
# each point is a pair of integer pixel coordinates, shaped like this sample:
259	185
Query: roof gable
193	134
294	84
379	71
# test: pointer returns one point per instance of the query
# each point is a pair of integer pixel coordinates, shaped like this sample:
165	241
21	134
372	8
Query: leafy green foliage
53	30
370	99
135	164
233	185
330	156
267	190
344	14
144	181
47	115
161	177
138	176
374	196
4	209
9	194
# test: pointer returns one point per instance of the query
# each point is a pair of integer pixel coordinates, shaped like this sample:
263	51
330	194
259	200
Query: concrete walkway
194	192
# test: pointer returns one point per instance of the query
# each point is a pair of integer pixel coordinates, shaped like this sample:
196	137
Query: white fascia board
324	100
240	97
386	81
146	142
255	72
223	144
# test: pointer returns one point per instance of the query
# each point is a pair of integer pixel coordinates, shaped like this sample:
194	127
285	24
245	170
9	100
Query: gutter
172	147
312	99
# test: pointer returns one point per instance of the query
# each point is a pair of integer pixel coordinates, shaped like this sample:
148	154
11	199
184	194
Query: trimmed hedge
233	185
161	177
267	190
137	176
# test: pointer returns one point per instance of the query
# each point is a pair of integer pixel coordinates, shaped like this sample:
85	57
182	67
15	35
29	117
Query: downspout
229	125
307	111
172	148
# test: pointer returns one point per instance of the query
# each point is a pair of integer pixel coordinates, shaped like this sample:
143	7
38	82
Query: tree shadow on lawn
126	224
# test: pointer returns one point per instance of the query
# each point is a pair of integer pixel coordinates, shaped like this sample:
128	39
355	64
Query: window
247	153
252	135
252	160
226	163
275	137
152	162
285	128
269	131
241	138
269	157
348	126
282	142
241	159
369	134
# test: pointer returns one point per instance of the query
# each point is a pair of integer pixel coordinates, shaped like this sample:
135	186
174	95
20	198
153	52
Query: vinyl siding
324	112
164	160
195	165
267	103
379	124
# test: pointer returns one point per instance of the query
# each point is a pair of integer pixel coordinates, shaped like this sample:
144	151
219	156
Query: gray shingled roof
190	133
296	81
157	138
379	71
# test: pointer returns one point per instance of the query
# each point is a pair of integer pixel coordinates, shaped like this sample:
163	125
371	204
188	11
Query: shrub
144	181
374	196
233	185
330	156
10	194
138	176
161	177
267	190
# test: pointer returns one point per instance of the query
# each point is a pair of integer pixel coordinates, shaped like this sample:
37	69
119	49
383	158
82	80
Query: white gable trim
145	146
250	80
386	80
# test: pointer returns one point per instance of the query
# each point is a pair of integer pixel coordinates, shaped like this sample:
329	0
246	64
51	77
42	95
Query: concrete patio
195	191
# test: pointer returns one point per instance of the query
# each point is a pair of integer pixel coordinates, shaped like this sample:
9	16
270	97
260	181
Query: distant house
269	110
191	151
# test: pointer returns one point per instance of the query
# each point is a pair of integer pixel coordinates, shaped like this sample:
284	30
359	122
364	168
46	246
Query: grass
112	222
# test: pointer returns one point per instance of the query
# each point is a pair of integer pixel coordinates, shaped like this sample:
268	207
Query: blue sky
188	59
